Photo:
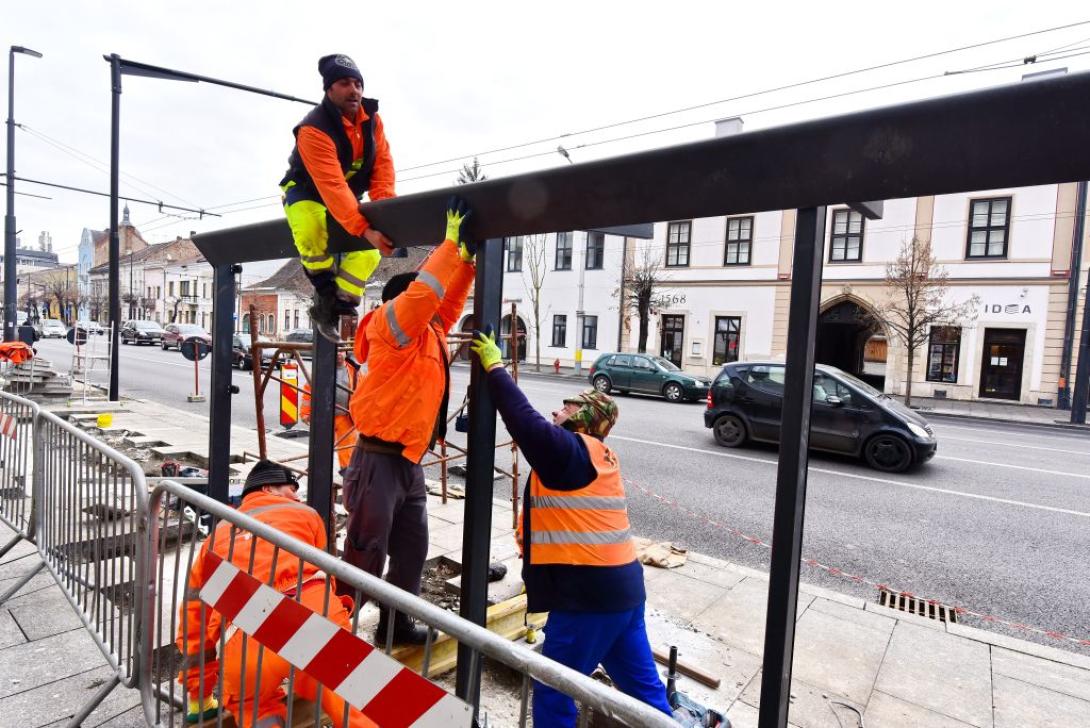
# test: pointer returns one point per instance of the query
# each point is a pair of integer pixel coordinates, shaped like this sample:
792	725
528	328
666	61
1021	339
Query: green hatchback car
646	374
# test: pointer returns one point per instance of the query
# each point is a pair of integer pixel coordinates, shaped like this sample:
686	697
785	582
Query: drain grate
905	602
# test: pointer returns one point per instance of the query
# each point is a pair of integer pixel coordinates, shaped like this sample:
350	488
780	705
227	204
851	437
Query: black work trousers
387	515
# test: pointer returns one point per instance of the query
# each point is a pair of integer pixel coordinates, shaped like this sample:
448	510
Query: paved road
998	522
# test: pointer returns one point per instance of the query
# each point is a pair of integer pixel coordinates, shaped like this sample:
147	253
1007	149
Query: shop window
728	331
943	350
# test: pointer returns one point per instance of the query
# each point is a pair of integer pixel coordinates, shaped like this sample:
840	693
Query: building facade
724	291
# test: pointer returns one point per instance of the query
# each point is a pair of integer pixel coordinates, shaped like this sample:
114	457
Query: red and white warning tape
833	571
380	687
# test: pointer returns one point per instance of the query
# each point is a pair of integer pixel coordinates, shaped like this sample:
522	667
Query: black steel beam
1074	278
480	459
791	471
1081	396
323	397
219	407
114	284
927	147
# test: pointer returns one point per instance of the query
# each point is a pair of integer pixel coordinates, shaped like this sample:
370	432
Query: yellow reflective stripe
349	278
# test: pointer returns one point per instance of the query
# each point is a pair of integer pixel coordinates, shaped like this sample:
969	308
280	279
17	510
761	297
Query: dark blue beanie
336	67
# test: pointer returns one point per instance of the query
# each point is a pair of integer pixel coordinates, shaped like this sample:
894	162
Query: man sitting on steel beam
256	676
579	561
399	408
340	153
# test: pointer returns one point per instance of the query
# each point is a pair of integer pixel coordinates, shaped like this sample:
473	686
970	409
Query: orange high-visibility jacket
404	343
284	514
584	527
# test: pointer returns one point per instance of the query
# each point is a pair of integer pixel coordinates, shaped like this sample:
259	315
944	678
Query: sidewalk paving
894	669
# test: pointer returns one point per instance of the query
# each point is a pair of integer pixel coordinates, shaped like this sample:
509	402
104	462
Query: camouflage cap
596	415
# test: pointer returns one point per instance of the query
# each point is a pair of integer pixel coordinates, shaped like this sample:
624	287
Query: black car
141	332
241	355
848	416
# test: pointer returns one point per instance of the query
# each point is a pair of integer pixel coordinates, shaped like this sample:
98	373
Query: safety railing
16	440
91	514
210	565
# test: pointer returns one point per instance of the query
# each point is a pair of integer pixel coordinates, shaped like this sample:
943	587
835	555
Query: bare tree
471	172
643	283
534	268
917	288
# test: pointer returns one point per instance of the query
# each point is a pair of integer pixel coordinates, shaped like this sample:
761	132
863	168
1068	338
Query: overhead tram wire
785	87
798	84
157	203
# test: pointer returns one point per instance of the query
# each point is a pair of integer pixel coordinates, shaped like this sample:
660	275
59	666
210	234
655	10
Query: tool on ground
687	711
688	670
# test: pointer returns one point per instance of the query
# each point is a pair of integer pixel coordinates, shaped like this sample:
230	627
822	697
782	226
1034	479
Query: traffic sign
195	348
76	336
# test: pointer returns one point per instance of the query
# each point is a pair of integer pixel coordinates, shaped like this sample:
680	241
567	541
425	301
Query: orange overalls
240	667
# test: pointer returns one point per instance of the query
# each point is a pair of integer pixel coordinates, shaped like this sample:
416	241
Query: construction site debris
663	554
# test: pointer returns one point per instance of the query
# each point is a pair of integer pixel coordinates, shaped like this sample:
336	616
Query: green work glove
457	212
203	709
484	346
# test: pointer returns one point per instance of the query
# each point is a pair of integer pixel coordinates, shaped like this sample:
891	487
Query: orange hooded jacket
404	343
284	514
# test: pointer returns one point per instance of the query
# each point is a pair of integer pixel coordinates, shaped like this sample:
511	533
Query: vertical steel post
115	243
1074	272
480	460
221	388
1082	376
791	471
10	294
323	398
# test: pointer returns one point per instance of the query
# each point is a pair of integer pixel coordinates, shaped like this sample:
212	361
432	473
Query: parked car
141	332
241	355
175	334
52	329
301	336
848	415
647	374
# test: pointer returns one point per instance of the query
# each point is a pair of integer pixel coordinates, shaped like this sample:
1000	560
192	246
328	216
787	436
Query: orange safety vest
304	406
585	527
404	344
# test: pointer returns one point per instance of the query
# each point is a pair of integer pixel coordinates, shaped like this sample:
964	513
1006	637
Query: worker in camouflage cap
596	415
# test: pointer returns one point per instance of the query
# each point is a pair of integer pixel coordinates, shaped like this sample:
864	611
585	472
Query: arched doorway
849	339
505	331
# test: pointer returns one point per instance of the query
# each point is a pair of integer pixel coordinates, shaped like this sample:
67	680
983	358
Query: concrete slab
34	664
886	710
810	706
1053	676
447	538
737	617
56	702
1019	704
857	616
832	596
913	619
943	673
10	634
1012	643
839	655
702	572
44	614
681	597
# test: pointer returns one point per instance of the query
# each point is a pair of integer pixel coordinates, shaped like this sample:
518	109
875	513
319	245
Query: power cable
157	203
785	87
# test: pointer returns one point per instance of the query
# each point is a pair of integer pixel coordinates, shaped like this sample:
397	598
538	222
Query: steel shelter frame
935	146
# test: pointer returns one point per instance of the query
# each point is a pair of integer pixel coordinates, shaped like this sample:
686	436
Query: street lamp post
10	294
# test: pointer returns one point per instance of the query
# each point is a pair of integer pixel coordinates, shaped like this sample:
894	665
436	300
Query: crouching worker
253	677
399	408
579	561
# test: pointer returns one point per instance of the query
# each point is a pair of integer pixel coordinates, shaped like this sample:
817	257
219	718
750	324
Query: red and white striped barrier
379	686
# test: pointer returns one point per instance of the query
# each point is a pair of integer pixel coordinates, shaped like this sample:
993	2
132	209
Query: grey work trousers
387	503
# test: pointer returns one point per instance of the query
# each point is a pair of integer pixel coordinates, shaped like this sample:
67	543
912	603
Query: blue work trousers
583	640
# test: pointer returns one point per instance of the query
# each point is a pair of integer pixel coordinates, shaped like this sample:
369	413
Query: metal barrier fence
192	544
91	506
16	486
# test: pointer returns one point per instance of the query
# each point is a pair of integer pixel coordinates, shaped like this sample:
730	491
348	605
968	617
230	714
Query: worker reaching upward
399	408
340	153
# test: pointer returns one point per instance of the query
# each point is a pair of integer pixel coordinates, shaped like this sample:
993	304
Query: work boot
406	631
323	316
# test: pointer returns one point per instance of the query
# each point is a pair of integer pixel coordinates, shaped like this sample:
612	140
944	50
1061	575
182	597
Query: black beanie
335	67
266	472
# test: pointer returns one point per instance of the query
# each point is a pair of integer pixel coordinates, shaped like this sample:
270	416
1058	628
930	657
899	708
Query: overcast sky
454	79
